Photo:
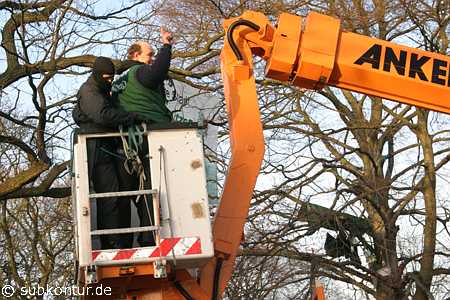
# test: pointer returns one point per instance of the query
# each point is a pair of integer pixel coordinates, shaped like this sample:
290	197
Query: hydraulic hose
215	290
230	35
182	290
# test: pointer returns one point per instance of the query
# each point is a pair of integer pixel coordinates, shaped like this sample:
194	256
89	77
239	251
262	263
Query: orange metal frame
321	54
138	283
318	294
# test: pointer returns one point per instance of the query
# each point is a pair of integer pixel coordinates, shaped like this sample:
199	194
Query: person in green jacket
139	88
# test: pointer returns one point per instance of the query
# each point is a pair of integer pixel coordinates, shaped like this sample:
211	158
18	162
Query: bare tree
46	47
352	190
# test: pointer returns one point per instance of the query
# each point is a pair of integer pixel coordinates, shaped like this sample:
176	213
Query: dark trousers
112	212
144	205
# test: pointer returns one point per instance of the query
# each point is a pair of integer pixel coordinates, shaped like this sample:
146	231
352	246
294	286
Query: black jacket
95	111
154	74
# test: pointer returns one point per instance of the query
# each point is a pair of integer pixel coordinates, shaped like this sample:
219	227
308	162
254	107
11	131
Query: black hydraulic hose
215	290
182	290
230	35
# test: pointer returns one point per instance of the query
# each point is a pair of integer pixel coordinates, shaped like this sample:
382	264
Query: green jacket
134	97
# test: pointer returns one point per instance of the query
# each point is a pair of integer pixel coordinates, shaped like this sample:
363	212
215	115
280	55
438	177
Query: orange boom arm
321	54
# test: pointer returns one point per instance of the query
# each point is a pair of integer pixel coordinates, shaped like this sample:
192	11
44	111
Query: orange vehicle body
319	55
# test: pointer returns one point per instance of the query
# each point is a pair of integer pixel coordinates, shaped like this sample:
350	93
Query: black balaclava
102	65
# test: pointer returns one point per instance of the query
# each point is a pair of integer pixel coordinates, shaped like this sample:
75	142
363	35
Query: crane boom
321	54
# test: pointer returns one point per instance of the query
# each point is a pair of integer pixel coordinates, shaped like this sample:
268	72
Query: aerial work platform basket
181	222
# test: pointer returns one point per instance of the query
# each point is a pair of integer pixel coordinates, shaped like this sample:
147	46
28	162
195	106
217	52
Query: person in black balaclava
103	73
94	112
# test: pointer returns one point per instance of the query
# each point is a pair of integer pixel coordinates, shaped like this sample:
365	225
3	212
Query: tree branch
44	188
14	183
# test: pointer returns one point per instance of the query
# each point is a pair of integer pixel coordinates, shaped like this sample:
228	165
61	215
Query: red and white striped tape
167	247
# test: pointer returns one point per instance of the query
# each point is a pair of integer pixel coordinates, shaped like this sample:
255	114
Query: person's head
141	51
103	73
